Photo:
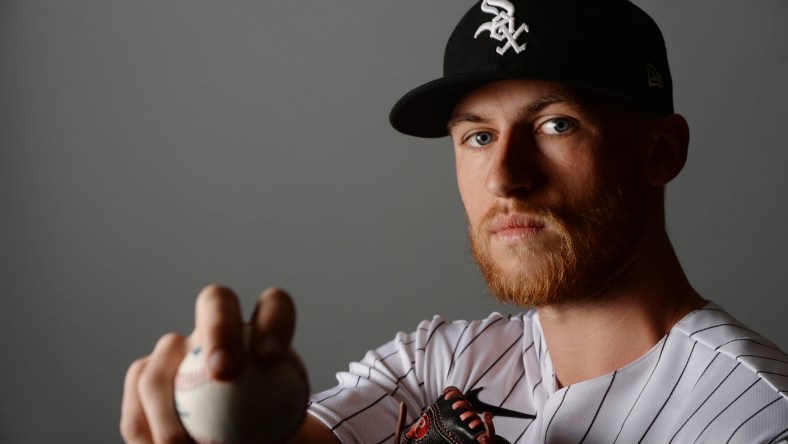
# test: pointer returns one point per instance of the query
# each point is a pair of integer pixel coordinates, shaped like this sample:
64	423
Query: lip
514	227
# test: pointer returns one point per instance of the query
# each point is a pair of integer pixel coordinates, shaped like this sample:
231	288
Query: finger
133	425
155	388
219	331
273	324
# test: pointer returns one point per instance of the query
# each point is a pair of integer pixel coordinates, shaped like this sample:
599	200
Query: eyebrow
456	119
563	96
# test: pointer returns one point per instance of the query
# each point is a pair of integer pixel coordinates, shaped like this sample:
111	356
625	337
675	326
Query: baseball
265	404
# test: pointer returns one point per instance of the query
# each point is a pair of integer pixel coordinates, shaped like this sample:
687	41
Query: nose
513	169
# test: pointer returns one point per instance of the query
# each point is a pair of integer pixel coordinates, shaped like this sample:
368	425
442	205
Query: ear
669	150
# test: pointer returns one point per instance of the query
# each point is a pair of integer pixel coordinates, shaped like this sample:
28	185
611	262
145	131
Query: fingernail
224	364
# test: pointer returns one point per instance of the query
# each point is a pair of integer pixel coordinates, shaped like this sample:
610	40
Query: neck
596	335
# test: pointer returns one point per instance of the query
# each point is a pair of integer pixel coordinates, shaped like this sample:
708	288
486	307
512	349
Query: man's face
553	183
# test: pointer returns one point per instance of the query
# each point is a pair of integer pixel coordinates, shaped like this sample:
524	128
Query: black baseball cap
610	46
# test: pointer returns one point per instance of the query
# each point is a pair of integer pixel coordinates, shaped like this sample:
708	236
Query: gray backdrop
149	148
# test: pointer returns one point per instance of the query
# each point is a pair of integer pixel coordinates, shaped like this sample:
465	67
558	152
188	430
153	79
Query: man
561	117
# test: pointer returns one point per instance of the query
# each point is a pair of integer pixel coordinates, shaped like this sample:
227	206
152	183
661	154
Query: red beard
594	245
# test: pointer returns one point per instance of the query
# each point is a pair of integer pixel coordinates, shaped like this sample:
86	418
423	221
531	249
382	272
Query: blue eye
557	126
480	139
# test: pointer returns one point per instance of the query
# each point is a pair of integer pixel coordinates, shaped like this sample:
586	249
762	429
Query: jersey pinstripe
710	380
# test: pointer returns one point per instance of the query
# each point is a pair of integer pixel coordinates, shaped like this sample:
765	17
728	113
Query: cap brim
424	111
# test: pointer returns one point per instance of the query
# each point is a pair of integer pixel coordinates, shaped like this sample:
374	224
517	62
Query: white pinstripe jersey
710	380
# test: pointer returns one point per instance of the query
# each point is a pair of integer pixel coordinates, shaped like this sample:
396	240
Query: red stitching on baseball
191	380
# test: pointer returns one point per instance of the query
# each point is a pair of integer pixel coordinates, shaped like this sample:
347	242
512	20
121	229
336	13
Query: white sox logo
502	26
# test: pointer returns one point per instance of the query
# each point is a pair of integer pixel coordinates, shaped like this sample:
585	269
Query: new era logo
654	77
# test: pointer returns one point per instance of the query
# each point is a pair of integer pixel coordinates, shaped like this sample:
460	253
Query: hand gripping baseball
450	420
265	403
232	387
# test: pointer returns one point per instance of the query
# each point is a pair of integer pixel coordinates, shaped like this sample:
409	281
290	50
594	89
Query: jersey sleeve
413	368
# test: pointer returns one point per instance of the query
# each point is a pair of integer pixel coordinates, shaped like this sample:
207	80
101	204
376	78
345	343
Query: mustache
543	214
